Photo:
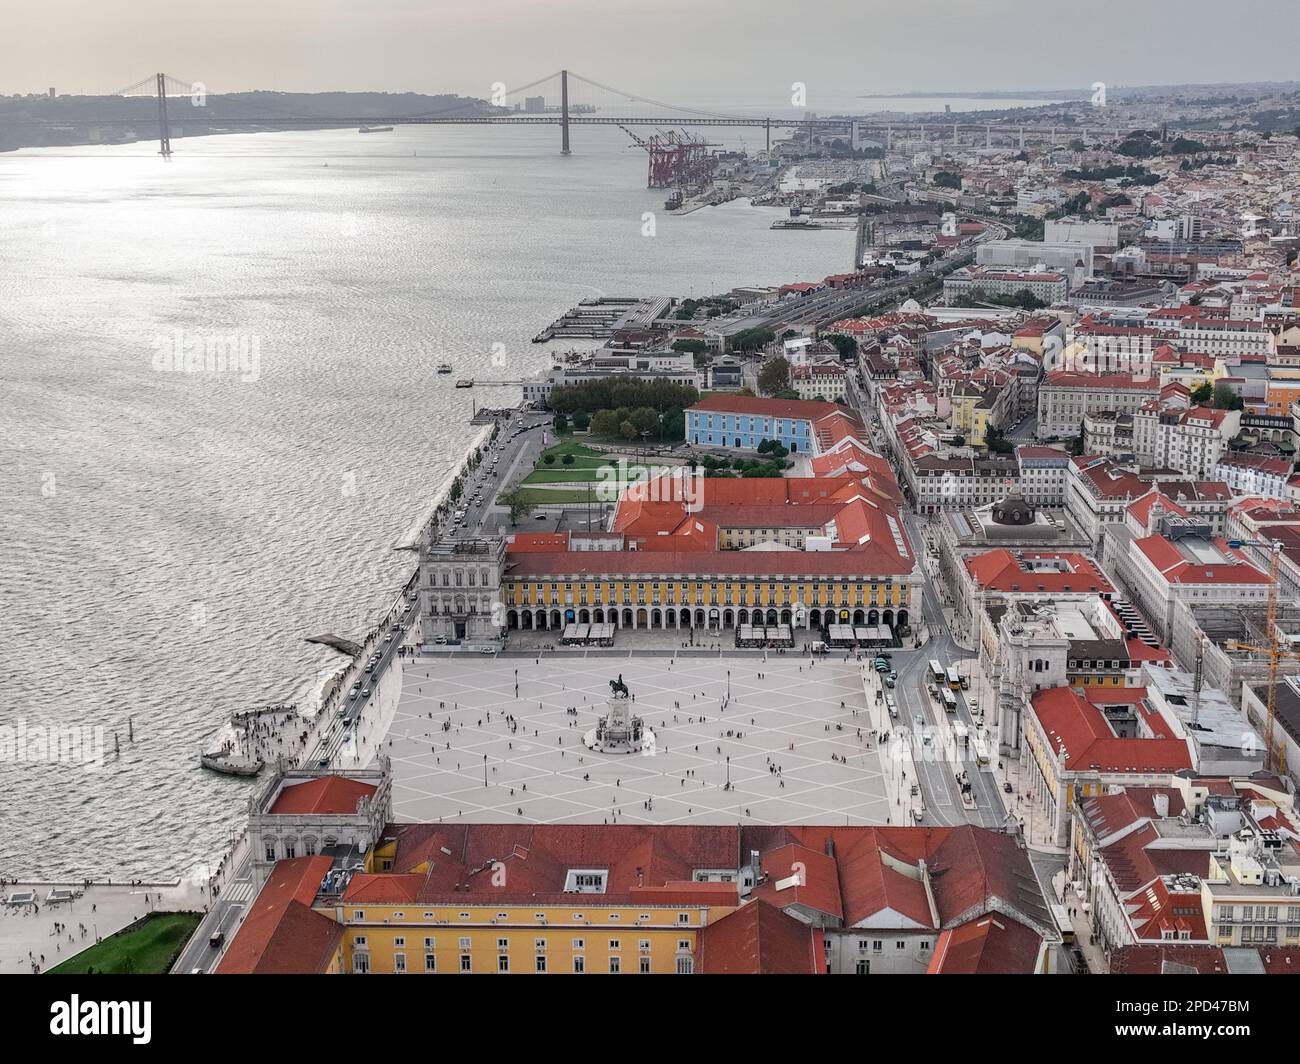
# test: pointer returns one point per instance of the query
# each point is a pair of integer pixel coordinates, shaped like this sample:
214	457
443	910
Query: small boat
465	382
375	129
673	201
444	367
230	764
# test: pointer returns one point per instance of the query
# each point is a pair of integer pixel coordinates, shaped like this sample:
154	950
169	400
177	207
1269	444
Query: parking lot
791	744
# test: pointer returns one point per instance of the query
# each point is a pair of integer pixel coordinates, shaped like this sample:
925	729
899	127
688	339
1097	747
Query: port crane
676	160
1273	649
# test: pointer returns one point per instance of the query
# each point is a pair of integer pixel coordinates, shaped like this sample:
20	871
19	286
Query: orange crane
1273	649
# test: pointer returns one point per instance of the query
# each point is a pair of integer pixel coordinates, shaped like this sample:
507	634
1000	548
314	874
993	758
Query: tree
774	375
1203	393
604	423
582	421
548	458
752	339
561	423
696	347
568	459
947	179
1227	399
646	421
627	430
844	344
516	503
674	425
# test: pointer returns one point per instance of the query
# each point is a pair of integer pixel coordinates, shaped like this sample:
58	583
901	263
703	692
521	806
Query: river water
171	537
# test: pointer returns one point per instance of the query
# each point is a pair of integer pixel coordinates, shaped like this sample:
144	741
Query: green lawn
555	496
149	948
558	474
578	450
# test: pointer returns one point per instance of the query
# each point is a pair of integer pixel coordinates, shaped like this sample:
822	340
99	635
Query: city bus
949	702
954	681
936	672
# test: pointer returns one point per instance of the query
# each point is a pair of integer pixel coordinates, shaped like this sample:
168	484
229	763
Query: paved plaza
807	719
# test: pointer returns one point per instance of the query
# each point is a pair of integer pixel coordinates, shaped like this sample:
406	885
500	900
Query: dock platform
600	318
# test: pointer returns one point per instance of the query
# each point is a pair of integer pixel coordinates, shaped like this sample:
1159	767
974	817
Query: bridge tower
164	133
564	112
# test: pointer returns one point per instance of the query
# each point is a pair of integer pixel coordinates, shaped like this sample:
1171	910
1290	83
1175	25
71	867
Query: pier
597	319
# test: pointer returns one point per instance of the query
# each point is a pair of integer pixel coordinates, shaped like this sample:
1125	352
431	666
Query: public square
796	732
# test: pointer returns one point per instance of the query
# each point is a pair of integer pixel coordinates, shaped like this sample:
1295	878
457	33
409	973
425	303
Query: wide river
170	538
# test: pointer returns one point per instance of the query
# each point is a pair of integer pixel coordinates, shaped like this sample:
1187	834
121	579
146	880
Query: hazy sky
679	50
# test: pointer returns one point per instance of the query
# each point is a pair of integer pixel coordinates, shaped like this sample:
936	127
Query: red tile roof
1176	567
808	878
880	559
799	409
1141	509
1000	570
993	945
282	934
1063	378
1071	721
328	794
760	939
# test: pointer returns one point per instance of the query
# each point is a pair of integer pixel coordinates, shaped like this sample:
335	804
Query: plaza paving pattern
541	772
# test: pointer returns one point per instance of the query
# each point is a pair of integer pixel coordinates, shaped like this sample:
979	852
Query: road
938	778
224	915
513	454
822	308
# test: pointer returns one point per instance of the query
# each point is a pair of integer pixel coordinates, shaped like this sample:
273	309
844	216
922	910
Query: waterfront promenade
29	941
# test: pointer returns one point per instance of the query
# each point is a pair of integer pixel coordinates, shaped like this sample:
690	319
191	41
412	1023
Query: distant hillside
39	121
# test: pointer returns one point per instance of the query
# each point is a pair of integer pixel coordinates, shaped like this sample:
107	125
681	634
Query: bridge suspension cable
654	103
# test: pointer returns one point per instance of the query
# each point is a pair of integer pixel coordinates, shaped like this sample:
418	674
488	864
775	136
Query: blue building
742	422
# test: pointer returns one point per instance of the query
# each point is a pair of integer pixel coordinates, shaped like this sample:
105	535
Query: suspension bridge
582	101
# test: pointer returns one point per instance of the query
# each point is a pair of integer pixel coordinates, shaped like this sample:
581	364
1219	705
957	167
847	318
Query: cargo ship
465	382
375	129
444	367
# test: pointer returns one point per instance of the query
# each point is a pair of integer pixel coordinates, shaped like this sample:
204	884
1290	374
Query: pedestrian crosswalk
239	890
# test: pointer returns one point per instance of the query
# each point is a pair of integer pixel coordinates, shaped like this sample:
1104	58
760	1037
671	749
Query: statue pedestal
619	732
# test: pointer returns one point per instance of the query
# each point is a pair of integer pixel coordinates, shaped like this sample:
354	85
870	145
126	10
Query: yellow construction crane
1273	650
